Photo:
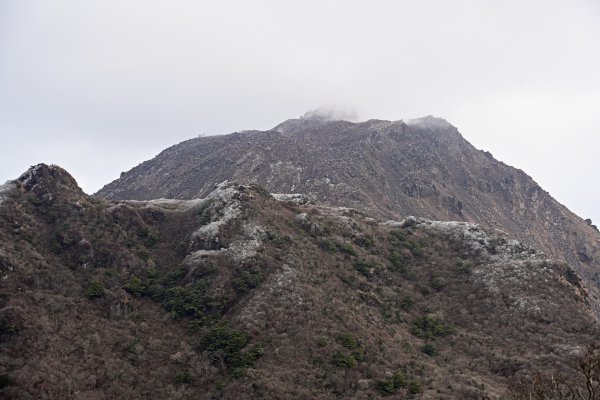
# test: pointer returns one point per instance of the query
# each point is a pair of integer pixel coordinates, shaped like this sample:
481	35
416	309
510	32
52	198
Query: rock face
389	169
242	294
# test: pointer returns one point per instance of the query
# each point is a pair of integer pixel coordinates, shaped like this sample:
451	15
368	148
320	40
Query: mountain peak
315	117
330	114
44	179
430	121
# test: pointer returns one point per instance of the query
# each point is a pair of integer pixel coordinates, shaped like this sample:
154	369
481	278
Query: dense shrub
407	303
204	215
136	287
248	279
186	301
94	290
365	268
437	283
183	378
398	381
348	341
227	343
347	248
398	238
365	241
430	328
393	383
343	360
5	380
429	349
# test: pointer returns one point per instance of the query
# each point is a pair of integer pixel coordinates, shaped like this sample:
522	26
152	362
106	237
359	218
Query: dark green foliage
365	241
190	301
134	347
430	328
144	254
204	215
248	358
347	248
415	248
364	268
415	387
183	378
260	190
407	303
94	290
348	341
227	343
464	267
136	287
57	248
5	380
398	381
390	313
393	383
343	360
398	238
222	337
8	328
348	280
398	261
172	277
328	245
279	241
187	301
437	283
248	279
150	240
429	349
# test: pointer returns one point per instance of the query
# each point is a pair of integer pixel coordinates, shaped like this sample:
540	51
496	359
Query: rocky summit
388	169
244	294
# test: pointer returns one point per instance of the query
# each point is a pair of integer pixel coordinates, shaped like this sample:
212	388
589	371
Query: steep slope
389	169
241	295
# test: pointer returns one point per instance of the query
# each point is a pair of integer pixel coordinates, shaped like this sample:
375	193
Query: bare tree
579	381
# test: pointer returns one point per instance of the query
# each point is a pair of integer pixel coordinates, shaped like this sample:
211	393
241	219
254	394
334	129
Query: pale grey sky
98	86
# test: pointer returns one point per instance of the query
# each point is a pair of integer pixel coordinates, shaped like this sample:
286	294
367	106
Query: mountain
243	294
390	169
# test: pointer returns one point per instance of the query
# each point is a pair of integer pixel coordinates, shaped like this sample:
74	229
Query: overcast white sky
98	86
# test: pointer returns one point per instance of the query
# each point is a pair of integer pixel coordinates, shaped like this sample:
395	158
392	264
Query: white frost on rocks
5	190
197	256
242	248
225	201
168	204
296	198
493	246
279	291
506	267
246	246
224	195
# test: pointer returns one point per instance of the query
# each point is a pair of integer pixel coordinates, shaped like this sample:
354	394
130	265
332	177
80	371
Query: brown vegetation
244	296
